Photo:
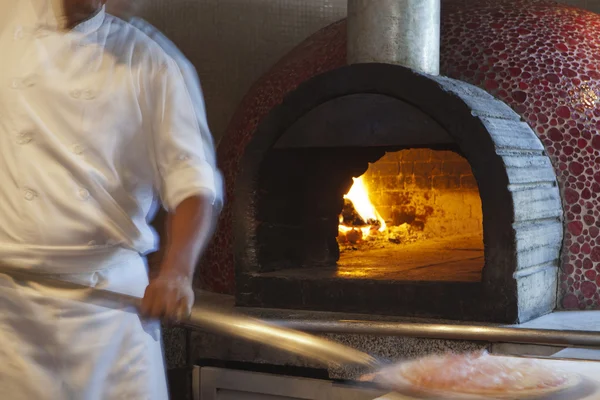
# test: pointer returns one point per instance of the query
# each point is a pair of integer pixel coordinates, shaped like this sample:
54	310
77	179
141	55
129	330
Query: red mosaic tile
541	58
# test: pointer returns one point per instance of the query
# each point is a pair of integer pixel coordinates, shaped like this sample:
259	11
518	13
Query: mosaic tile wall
543	61
540	58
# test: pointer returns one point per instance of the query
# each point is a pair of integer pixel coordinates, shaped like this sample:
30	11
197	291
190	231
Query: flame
359	196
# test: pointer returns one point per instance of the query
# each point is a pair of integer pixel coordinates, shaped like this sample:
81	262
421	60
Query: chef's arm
189	229
170	295
186	177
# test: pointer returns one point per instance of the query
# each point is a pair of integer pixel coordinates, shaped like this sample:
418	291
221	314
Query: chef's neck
124	9
76	18
78	11
66	14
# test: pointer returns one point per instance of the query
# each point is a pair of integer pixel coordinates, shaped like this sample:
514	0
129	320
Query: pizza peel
230	323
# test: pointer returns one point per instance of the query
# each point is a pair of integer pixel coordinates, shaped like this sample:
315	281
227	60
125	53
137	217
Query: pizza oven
381	187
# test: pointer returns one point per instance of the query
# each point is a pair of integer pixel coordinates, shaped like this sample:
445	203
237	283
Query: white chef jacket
96	123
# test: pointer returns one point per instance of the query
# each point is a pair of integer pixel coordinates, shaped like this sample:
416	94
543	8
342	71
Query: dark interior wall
300	197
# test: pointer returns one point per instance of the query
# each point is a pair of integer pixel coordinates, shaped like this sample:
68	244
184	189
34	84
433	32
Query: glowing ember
359	197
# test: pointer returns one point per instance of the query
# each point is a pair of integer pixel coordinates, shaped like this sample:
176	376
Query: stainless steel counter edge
491	334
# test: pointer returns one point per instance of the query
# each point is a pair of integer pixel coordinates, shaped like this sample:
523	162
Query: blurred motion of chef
100	120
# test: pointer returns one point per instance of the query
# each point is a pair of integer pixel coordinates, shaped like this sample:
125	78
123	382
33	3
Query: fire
359	196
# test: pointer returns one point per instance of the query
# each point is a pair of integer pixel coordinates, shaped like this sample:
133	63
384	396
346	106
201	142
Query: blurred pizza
477	375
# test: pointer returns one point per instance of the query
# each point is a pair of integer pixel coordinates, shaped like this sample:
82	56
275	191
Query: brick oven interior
432	221
423	218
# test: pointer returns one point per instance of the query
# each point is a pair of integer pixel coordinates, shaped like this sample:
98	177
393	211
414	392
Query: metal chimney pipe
402	32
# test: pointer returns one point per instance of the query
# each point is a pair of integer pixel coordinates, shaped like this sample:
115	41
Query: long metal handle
282	338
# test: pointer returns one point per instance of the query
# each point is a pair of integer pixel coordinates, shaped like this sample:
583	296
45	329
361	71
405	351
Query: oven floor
457	259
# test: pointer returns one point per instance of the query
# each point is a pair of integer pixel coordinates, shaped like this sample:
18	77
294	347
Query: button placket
21	74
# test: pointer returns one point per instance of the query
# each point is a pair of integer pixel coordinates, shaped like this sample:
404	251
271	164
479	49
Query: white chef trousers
60	344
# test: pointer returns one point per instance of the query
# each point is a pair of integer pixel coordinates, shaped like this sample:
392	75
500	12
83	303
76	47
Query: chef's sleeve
182	146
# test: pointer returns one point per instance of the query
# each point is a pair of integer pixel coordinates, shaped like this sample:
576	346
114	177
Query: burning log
351	218
353	236
359	218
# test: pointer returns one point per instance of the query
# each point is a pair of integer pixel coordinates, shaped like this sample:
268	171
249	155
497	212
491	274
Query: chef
97	125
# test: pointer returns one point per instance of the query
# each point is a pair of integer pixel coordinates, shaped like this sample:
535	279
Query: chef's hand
168	297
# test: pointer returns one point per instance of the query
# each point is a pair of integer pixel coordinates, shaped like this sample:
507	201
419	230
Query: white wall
233	42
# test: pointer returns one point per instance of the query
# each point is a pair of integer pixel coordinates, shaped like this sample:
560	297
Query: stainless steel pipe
482	333
401	32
